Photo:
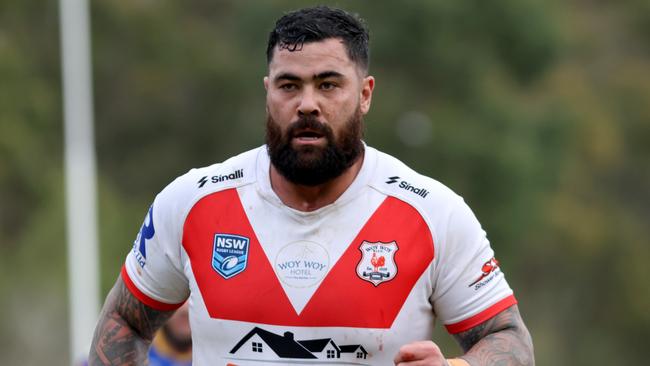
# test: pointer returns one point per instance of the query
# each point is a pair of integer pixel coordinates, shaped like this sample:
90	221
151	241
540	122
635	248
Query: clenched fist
422	353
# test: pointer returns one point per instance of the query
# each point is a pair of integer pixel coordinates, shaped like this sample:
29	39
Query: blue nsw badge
229	254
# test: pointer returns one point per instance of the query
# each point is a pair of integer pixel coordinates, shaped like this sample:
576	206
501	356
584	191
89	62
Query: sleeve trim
484	315
152	303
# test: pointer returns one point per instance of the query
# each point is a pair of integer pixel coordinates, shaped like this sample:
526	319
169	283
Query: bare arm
125	329
502	340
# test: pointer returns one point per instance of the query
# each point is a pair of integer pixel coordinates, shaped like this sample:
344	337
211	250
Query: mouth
307	135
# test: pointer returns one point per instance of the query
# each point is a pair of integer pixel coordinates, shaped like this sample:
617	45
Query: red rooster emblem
377	262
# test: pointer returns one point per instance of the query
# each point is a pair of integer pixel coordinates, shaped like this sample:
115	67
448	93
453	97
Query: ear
367	86
266	83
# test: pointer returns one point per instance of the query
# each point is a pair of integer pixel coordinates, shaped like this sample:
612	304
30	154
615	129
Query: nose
308	103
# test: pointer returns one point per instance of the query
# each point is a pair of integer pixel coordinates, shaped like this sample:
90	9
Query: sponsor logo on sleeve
407	186
489	271
229	254
237	174
377	264
147	232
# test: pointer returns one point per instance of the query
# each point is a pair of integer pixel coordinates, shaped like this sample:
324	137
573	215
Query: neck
311	198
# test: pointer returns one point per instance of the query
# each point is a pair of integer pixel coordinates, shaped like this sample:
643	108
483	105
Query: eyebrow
286	76
293	77
328	74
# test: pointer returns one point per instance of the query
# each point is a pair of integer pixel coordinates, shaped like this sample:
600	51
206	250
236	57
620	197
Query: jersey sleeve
470	288
153	269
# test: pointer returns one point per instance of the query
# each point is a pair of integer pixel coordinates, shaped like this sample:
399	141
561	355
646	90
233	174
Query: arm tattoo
501	340
125	329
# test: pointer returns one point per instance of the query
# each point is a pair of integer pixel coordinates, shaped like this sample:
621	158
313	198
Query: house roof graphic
351	348
318	345
285	346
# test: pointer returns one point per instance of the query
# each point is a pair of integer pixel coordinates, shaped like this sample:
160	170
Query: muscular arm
502	340
125	329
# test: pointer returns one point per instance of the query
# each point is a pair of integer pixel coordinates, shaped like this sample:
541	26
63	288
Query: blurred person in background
172	345
314	247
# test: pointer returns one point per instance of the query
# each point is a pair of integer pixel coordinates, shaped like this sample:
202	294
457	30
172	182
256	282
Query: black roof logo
264	344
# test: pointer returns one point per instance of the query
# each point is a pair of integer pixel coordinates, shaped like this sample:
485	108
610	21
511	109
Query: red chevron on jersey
343	299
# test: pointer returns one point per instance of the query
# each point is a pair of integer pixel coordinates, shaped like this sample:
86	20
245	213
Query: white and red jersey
346	284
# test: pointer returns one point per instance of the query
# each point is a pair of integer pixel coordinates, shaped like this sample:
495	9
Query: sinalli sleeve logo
377	264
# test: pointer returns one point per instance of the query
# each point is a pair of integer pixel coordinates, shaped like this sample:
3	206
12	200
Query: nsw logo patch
377	264
229	254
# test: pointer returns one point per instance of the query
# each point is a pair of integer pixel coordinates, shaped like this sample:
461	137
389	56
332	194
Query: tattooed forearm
502	340
125	329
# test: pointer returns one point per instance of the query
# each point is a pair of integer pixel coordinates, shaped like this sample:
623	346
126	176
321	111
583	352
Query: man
315	248
172	345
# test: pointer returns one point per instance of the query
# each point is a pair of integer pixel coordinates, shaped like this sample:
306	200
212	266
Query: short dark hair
319	23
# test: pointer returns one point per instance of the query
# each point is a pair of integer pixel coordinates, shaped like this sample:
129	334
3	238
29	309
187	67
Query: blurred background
537	112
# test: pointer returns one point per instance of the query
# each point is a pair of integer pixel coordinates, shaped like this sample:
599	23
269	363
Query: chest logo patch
377	264
302	264
229	254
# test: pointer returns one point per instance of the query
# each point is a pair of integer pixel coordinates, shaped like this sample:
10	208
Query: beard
314	165
177	342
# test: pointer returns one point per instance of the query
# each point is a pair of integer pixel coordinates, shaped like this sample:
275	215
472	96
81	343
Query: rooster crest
377	261
377	264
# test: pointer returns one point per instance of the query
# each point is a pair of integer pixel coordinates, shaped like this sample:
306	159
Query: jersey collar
360	181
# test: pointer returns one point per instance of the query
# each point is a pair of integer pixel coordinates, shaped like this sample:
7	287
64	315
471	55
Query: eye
288	87
326	85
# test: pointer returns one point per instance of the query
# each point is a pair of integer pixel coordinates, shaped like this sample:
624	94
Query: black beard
310	165
180	344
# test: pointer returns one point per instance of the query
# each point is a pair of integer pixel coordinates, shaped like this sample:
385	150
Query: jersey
346	284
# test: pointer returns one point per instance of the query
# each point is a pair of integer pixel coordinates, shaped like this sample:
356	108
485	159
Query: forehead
312	58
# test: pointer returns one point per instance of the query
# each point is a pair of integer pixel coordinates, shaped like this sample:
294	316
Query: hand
422	353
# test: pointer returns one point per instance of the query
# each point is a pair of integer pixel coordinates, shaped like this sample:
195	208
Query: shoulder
442	209
234	172
394	178
187	189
